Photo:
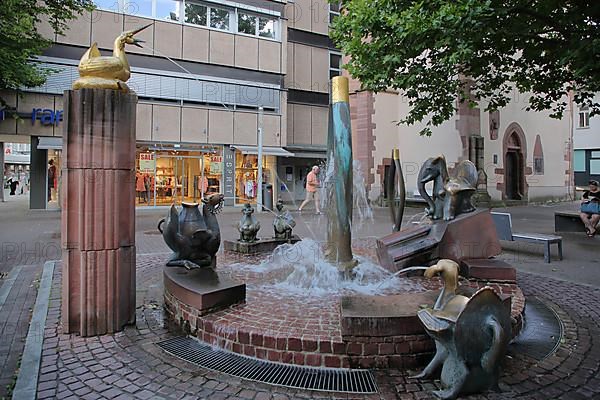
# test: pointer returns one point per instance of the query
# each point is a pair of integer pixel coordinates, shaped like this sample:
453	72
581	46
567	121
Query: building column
38	184
98	211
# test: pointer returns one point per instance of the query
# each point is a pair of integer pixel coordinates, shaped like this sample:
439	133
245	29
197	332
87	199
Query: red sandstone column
98	211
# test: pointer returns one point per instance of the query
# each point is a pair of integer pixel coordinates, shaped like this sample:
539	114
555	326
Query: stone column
98	211
2	171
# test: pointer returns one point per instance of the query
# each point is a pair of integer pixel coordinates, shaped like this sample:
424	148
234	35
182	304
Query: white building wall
445	139
554	138
586	138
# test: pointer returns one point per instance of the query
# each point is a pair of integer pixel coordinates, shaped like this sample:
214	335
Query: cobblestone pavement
129	364
15	314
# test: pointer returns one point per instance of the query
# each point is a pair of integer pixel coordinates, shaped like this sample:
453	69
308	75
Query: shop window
579	160
595	163
164	177
246	176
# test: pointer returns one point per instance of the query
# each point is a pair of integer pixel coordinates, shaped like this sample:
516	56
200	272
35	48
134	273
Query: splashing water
360	200
302	269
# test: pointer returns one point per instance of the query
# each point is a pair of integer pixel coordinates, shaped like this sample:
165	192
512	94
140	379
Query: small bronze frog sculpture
471	335
283	222
194	236
248	225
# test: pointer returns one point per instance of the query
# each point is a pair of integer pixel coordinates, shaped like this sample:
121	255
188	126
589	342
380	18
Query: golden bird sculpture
107	72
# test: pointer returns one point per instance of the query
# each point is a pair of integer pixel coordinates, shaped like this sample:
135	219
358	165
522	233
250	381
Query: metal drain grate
542	331
293	376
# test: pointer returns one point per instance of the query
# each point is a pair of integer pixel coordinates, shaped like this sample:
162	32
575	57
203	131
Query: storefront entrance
53	178
172	175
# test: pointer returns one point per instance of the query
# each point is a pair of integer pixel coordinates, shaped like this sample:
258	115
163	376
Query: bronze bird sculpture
107	72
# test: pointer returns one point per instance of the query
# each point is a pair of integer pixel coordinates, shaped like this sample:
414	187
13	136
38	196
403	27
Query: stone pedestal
98	211
260	246
202	291
471	235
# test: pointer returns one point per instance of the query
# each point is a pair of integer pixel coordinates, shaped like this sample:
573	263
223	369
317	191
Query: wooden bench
569	221
503	222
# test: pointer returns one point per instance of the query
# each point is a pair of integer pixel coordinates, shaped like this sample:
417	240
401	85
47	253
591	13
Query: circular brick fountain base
323	330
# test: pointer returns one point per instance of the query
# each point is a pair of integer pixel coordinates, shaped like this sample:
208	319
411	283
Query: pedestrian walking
312	189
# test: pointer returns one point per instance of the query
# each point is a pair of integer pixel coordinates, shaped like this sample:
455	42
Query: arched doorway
514	164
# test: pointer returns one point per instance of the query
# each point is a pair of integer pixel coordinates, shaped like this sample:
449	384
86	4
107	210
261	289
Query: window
246	23
579	160
335	65
169	10
108	5
196	14
256	25
538	166
584	117
334	11
266	27
219	19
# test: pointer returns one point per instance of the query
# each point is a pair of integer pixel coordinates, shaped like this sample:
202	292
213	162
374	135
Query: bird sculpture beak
136	42
135	32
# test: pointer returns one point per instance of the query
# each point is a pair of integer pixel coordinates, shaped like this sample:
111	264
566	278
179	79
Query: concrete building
203	73
527	154
586	144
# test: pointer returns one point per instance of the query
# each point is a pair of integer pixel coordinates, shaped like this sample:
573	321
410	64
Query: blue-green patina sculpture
471	335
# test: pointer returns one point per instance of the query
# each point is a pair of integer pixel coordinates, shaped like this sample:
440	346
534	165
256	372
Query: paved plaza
130	364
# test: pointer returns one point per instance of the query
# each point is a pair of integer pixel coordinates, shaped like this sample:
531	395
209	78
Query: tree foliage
20	41
427	48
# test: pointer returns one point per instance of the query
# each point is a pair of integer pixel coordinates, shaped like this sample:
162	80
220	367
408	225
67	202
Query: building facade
586	143
206	71
527	155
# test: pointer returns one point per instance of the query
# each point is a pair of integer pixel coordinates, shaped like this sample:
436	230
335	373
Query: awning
16	159
266	150
309	154
308	151
50	143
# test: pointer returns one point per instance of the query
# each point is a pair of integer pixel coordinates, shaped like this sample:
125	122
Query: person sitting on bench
590	208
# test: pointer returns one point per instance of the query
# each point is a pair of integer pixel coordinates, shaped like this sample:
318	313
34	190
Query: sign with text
147	162
229	175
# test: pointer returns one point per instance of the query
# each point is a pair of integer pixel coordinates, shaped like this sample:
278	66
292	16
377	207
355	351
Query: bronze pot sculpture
194	236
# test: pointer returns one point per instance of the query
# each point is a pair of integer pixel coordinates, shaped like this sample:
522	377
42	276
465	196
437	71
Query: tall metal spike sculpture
339	153
396	190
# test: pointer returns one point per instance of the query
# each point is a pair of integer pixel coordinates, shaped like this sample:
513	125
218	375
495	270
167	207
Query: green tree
20	41
436	51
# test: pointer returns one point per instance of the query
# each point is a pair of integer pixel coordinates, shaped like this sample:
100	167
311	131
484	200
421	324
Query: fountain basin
326	330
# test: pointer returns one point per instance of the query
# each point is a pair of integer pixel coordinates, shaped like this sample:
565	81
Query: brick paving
129	364
15	315
299	323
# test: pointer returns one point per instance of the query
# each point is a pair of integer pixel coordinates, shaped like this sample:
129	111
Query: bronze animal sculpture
396	190
283	222
471	335
248	225
194	236
107	72
451	195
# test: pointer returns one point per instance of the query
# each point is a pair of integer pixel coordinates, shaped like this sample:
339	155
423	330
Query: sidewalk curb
26	386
